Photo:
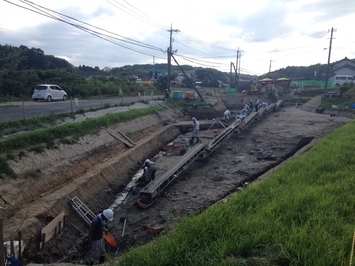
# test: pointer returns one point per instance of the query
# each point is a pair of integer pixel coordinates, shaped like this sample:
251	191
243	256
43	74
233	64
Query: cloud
282	32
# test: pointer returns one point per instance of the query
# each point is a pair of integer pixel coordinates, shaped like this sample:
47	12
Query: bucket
110	240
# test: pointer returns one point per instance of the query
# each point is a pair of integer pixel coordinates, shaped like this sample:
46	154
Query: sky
253	36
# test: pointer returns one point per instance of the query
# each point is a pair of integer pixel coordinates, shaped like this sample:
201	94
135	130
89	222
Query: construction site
51	213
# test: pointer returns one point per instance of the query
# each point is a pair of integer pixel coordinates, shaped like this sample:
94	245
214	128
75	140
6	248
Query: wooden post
19	247
59	227
43	240
23	110
2	251
12	248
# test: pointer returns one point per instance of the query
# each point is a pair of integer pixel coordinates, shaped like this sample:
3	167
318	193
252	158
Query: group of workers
247	107
149	166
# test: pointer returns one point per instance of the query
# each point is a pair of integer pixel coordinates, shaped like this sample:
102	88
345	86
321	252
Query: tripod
214	122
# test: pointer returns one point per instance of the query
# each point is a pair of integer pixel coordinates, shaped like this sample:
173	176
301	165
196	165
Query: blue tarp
352	106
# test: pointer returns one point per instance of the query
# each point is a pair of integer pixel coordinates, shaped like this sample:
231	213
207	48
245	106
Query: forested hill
22	68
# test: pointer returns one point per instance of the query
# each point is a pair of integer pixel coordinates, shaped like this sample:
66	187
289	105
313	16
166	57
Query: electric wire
129	40
96	33
138	14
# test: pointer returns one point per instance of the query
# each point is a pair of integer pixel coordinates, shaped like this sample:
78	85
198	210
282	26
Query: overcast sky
270	34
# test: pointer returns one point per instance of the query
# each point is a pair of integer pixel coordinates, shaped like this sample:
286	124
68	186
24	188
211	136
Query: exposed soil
98	167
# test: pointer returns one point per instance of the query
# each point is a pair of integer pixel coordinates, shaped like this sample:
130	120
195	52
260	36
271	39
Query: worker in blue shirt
96	236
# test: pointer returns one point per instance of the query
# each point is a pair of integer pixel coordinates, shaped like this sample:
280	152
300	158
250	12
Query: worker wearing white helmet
95	236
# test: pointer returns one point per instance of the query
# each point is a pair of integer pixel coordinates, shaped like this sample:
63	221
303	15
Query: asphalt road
29	109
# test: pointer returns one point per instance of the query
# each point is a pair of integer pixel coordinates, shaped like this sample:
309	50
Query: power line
136	13
96	31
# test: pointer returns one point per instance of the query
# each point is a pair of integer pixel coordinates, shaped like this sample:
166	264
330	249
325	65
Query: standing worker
227	115
257	105
244	102
95	236
298	92
149	170
195	130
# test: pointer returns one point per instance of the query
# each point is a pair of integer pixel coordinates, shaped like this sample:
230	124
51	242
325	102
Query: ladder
82	210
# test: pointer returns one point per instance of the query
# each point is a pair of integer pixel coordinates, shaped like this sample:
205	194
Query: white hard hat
108	214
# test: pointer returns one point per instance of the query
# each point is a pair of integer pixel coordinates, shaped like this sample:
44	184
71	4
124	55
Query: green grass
75	130
302	215
48	137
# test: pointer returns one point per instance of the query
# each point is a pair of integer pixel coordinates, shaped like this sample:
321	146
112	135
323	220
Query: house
222	85
180	79
342	67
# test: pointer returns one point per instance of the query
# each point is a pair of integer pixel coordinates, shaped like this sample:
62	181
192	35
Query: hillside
22	68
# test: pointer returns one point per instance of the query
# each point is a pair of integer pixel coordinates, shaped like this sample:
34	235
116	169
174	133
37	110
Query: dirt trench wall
88	174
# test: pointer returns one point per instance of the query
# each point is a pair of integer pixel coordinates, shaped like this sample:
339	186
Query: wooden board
53	228
127	143
126	137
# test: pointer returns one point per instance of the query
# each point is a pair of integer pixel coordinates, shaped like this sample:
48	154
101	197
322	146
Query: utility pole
330	50
270	67
239	56
237	67
170	52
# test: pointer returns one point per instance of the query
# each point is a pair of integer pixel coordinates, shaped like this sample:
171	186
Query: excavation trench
104	171
179	198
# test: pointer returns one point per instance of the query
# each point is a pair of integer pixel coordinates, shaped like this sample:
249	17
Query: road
29	109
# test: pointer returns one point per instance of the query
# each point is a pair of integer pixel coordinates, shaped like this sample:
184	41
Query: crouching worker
96	236
239	119
227	115
149	171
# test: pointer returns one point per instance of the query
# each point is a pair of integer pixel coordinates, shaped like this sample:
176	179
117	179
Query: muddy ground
98	167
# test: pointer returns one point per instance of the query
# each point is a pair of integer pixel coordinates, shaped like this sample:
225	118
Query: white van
341	79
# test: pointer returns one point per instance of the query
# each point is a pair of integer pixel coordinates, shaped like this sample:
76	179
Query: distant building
222	85
342	67
180	79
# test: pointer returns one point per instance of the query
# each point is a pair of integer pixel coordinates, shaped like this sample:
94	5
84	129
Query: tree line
22	68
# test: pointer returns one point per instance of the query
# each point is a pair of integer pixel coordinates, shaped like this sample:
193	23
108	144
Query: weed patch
5	169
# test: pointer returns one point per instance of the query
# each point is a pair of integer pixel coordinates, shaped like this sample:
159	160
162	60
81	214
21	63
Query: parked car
331	94
49	92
